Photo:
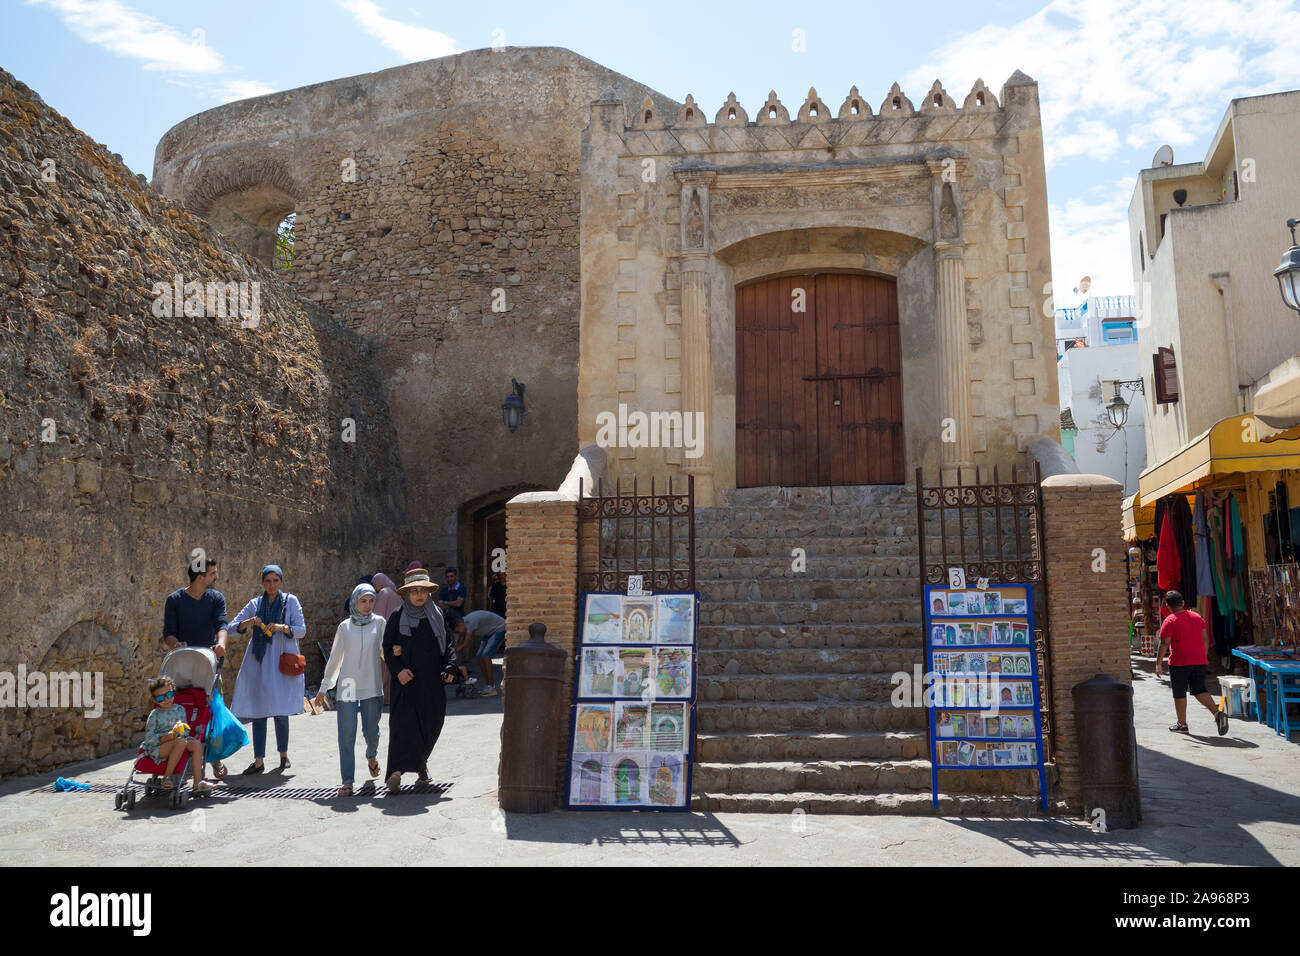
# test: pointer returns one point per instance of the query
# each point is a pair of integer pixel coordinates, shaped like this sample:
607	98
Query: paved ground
1206	800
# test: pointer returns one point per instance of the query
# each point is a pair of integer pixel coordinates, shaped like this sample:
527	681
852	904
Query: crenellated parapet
815	123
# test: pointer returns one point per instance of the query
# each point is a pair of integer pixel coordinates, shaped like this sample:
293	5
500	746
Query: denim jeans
370	708
281	735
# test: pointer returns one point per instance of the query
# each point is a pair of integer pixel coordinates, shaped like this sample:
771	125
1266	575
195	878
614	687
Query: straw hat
417	578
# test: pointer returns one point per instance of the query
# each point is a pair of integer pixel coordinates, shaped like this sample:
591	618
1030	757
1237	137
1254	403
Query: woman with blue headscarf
355	670
263	689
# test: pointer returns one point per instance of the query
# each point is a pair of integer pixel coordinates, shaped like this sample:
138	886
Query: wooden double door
819	398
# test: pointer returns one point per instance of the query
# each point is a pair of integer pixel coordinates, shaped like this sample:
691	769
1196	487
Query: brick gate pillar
1087	593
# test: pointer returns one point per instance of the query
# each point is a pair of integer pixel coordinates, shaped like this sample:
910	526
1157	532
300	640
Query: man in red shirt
1184	635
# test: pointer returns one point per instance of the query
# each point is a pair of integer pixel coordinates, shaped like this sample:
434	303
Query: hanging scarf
271	612
360	620
412	615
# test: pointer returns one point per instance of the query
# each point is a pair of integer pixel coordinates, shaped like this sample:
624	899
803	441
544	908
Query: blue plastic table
1266	709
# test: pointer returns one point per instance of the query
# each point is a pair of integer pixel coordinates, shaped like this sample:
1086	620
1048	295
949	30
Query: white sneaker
488	691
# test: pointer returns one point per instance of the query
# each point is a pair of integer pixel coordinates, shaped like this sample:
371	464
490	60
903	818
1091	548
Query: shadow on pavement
619	828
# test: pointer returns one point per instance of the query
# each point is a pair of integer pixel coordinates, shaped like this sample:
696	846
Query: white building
1087	379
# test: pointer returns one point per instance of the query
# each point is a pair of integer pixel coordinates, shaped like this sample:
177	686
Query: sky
1117	78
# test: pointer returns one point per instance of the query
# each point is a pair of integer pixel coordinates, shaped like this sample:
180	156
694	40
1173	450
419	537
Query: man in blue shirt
195	616
452	599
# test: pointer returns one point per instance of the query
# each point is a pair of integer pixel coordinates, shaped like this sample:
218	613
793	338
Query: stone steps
757	661
821	635
777	688
827	611
864	804
812	588
817	776
738	747
801	716
779	568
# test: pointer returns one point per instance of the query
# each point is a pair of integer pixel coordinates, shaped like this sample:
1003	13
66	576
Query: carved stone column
952	336
697	360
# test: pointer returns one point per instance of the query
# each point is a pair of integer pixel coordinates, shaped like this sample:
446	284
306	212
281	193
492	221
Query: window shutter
1165	376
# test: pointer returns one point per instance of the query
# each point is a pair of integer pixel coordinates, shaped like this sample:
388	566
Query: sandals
254	767
219	770
203	787
167	784
344	791
374	768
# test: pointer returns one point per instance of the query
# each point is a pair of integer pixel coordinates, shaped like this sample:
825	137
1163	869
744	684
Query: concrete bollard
529	732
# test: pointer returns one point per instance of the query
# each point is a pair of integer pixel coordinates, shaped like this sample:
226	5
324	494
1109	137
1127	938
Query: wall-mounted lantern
1117	408
512	409
1288	273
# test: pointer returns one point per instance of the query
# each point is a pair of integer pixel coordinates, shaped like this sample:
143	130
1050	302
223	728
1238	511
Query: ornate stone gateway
818	382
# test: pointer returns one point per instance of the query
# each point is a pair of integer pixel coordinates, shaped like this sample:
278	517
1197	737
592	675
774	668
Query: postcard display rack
631	740
980	648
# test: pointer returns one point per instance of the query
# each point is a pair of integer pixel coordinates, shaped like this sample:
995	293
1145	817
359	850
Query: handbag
293	665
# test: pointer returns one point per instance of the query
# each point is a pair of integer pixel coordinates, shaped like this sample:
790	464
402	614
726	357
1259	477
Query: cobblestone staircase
794	668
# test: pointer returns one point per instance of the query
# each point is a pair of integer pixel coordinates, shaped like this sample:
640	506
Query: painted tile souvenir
603	622
638	620
675	618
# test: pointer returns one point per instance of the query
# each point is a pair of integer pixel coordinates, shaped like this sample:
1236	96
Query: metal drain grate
224	793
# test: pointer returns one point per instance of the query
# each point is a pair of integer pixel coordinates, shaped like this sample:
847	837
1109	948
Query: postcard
984	757
638	620
632	678
603	623
967	632
587	778
965	753
983	632
672	673
630	725
1022	664
666	781
957	691
1001	632
1024	754
936	635
591	728
1026	727
957	602
1019	635
975	663
1014	605
675	618
668	726
938	603
1009	727
950	635
959	725
992	727
948	753
1002	757
992	602
943	725
994	664
598	667
957	663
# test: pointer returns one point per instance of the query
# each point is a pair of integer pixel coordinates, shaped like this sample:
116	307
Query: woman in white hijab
354	668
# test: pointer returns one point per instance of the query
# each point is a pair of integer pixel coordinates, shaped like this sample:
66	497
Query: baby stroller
465	686
194	671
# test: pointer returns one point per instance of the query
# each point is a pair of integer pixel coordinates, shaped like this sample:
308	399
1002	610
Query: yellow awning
1139	521
1233	445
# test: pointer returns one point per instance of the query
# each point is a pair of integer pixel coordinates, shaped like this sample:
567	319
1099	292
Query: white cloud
127	32
1116	78
135	35
413	43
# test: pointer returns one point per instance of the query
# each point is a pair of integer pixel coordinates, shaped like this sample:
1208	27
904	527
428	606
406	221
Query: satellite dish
1084	284
1164	157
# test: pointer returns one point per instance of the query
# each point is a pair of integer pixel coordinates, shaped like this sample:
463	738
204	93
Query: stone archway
247	199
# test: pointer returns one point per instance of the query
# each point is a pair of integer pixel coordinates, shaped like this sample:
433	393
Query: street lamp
512	409
1288	273
1117	408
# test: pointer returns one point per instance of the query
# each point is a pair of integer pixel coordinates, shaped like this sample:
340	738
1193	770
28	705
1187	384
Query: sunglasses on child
167	696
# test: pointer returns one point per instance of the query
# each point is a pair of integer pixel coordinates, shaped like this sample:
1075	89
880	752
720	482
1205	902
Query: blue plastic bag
225	733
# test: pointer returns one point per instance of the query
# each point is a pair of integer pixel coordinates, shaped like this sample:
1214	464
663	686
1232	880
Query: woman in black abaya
421	658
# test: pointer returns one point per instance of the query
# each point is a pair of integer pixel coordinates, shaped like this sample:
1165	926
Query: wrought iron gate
623	534
992	530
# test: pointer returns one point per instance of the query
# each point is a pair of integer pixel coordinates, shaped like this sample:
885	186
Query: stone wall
130	438
1087	594
426	195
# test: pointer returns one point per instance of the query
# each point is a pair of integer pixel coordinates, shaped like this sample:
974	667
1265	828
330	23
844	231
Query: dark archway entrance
819	398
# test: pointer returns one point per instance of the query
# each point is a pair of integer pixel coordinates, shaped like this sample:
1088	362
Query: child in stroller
176	729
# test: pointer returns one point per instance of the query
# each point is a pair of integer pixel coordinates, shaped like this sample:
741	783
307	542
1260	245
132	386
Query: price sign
635	585
956	577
